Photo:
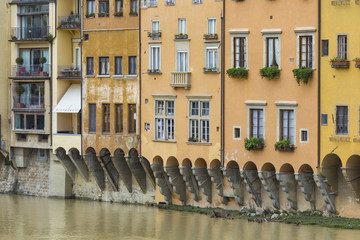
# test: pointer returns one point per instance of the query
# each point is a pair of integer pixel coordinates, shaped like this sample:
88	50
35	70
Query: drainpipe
51	80
319	83
81	79
140	150
222	115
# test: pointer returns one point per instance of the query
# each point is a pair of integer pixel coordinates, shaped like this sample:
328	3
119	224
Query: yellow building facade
339	148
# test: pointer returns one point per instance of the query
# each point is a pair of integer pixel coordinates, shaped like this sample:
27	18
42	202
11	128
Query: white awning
71	101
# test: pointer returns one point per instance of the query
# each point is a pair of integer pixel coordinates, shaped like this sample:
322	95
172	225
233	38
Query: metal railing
180	79
152	3
30	1
69	72
30	33
30	70
170	3
69	22
28	102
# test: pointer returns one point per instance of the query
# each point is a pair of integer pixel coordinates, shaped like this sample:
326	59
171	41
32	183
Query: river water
24	217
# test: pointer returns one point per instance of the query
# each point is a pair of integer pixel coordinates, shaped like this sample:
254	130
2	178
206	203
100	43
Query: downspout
222	115
51	80
140	149
319	83
81	79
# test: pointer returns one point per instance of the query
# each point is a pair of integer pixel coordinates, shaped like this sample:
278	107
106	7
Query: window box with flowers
211	70
270	72
339	63
211	36
154	35
237	73
181	36
90	15
302	75
284	145
254	143
193	139
357	62
103	14
133	14
118	14
153	71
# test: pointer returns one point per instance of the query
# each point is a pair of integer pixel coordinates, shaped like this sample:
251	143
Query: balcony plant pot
14	38
210	36
20	105
339	63
270	72
288	148
181	36
254	143
42	105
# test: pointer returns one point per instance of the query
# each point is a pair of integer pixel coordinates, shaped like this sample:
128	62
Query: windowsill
340	138
103	76
117	76
159	73
66	134
131	76
89	76
164	141
29	131
199	143
91	132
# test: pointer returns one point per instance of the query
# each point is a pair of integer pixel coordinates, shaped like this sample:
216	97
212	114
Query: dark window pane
92	117
40	122
89	66
118	65
132	65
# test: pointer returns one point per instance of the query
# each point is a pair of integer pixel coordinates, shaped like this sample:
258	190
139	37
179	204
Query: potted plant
210	36
42	60
302	75
13	37
101	14
213	69
90	15
133	13
237	73
20	90
270	72
153	71
181	36
254	143
339	63
118	14
19	61
284	145
357	62
50	38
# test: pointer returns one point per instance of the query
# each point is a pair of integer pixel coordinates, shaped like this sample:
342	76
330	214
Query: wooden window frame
131	118
89	62
281	136
106	118
342	46
241	53
345	117
308	63
252	110
91	120
119	118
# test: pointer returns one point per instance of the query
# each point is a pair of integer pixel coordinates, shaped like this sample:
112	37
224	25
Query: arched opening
186	163
189	178
203	179
288	184
268	167
109	168
175	178
123	169
250	166
95	167
305	168
162	179
232	165
215	164
158	160
352	174
172	161
268	179
232	173
200	163
137	169
287	168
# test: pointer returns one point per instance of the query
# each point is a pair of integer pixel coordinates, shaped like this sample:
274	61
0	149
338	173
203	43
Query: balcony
30	33
30	1
69	72
28	103
170	3
33	71
154	35
70	22
152	3
180	80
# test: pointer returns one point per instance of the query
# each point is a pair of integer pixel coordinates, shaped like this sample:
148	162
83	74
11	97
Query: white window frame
347	45
215	57
211	26
151	63
240	33
304	130
285	105
302	32
271	33
255	105
154	23
182	26
234	137
178	60
164	117
199	118
348	120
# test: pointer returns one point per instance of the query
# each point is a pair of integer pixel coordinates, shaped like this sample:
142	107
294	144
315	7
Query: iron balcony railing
28	102
69	72
31	71
30	33
69	22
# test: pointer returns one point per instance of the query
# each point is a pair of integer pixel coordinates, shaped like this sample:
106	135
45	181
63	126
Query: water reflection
39	218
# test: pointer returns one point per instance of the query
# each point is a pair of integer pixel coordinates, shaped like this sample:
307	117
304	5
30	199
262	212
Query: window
118	65
342	120
155	58
32	65
92	118
77	58
42	154
33	21
118	118
304	135
104	8
342	47
119	6
211	26
89	66
182	61
272	52
237	133
90	7
133	6
132	65
86	37
29	121
324	48
106	118
32	97
287	125
164	120
256	123
197	1
155	26
182	25
132	118
212	58
103	66
324	119
199	121
306	52
239	52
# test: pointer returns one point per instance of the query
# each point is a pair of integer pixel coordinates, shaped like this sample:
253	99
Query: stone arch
95	167
232	173
200	163
175	178
136	168
79	163
268	167
306	182
215	163
162	179
66	162
288	168
133	152
306	168
232	165
252	181
172	161
123	169
105	159
202	176
352	174
331	160
158	160
189	178
186	163
217	178
286	177
250	166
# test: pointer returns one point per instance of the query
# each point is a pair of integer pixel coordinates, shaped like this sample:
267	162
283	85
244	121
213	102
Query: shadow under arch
123	169
162	179
252	181
202	176
306	182
95	167
189	178
136	168
267	177
175	178
110	171
66	162
352	174
232	174
288	184
217	178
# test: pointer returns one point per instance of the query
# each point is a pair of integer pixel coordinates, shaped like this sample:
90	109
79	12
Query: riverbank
303	218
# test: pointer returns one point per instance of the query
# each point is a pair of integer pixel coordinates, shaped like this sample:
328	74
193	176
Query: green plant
181	35
356	59
336	59
133	13
101	14
118	14
19	61
50	38
302	75
283	143
270	72
43	60
19	90
237	72
254	143
42	90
